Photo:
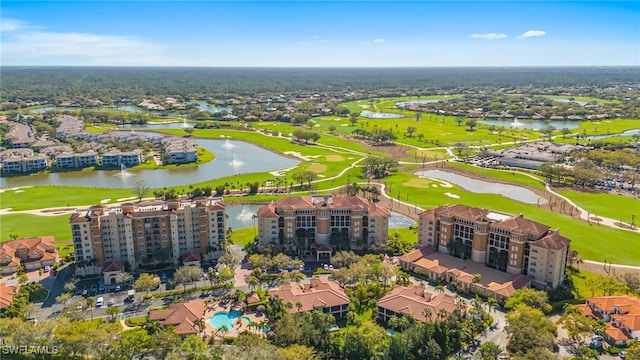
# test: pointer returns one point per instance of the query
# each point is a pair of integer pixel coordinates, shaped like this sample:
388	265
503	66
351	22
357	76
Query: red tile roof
617	334
191	256
115	265
412	300
632	322
181	315
417	254
607	304
318	293
7	293
553	240
28	249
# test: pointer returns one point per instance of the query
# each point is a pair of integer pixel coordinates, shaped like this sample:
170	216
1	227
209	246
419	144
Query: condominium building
78	160
25	164
316	225
118	158
149	232
509	243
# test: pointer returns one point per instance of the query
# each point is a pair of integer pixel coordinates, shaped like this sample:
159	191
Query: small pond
418	102
397	221
514	192
379	115
531	124
581	103
202	105
241	216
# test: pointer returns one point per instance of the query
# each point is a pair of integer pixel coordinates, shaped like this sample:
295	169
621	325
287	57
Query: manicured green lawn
39	197
608	205
26	225
409	236
244	236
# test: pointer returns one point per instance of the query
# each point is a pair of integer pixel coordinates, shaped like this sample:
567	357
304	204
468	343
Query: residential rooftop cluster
28	153
620	313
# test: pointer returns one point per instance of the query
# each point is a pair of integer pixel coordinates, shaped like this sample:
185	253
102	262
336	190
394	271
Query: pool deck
240	325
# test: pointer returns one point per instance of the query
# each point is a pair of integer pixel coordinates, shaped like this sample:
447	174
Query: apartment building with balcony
318	224
77	160
149	232
508	243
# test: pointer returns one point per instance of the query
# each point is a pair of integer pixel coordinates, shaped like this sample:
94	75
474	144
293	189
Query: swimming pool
224	318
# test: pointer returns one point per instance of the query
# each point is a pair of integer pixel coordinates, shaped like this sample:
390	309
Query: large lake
514	192
232	158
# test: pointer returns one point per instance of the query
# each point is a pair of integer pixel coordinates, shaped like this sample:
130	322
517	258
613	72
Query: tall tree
140	189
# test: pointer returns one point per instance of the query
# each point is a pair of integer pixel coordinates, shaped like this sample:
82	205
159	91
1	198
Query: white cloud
489	36
7	24
532	33
378	41
323	41
302	43
34	47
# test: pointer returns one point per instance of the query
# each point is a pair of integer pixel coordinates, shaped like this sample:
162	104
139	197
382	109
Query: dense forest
50	83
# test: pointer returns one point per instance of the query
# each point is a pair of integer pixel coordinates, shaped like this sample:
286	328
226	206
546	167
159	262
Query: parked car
118	288
47	269
112	302
100	302
85	292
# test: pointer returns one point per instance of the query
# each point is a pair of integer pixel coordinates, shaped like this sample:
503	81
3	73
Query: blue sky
320	34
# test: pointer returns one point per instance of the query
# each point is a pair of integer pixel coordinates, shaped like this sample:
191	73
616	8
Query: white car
112	301
100	302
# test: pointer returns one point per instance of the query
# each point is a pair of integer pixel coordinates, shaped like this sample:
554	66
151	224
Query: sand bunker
104	201
16	189
452	195
442	183
127	198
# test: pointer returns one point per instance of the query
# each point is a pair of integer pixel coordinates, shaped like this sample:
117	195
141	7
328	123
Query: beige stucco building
149	232
316	225
509	243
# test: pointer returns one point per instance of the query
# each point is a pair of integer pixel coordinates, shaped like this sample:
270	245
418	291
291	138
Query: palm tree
439	288
477	278
153	327
255	230
90	302
427	313
491	303
253	282
442	314
200	324
299	305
